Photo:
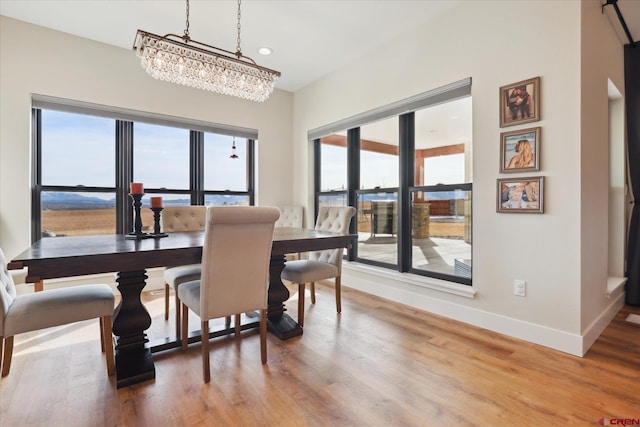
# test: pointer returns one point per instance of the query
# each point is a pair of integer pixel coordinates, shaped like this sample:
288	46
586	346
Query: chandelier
179	59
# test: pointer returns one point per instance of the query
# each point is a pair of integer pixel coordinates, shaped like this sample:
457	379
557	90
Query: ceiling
310	38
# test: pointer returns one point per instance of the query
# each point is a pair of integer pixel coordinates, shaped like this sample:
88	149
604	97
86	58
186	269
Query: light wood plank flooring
378	364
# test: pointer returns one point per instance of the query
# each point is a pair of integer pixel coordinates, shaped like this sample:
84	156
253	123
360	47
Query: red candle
136	188
156	202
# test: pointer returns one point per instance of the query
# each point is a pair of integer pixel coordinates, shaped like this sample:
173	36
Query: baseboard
410	294
593	331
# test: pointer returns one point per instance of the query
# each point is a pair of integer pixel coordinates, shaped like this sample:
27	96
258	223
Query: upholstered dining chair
321	265
290	216
235	271
50	308
180	218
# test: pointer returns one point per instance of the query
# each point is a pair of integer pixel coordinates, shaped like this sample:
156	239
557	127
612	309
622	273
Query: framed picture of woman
520	102
520	150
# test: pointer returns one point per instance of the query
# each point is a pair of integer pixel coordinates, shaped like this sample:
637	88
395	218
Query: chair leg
177	314
107	337
313	292
166	301
101	334
338	295
301	304
38	286
236	328
227	322
263	335
206	370
185	326
6	358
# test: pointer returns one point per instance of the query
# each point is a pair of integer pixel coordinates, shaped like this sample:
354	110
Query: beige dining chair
291	216
180	218
321	265
50	308
235	271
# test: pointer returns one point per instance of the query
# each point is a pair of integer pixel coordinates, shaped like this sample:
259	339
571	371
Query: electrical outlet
520	288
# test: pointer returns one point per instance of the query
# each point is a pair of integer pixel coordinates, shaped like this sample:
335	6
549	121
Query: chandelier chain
186	30
238	50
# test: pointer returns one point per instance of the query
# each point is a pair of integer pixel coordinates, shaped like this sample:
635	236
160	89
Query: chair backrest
183	218
290	216
7	291
235	259
336	219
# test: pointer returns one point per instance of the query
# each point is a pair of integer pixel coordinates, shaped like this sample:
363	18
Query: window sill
614	284
409	278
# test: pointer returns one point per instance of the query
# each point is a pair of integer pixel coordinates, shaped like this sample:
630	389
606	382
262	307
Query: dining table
129	259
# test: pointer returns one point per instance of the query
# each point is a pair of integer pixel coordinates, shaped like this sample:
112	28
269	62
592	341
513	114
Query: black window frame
124	165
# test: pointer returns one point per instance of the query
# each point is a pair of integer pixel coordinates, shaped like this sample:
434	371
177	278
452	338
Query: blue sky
80	150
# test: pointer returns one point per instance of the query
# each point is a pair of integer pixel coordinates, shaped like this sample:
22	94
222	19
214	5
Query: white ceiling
310	38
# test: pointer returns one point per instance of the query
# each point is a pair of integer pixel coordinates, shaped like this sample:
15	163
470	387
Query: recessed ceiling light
264	50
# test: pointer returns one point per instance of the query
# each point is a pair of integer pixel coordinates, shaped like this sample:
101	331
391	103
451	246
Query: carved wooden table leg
278	322
133	357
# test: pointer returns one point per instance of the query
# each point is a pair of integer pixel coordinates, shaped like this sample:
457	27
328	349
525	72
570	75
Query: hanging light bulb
233	150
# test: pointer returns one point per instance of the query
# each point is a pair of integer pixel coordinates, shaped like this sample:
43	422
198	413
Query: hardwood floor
377	364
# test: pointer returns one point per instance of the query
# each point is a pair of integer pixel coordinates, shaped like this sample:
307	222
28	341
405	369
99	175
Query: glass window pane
443	143
333	156
77	150
77	214
332	200
447	169
226	200
161	156
378	227
379	161
221	171
441	231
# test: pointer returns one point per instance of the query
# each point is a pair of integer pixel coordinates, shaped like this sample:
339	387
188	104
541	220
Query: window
77	174
409	176
86	156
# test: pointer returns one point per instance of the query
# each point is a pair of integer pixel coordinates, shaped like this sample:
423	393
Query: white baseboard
593	331
394	288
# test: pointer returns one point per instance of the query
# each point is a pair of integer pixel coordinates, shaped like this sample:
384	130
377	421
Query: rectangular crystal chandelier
179	59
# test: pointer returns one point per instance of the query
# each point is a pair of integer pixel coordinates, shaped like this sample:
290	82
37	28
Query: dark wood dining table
58	257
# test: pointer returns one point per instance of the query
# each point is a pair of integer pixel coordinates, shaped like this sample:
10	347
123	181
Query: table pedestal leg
278	322
133	358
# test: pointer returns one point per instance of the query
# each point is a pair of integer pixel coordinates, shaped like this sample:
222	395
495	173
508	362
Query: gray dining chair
180	218
321	265
50	308
235	270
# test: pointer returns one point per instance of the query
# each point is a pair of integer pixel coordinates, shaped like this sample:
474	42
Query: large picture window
85	158
408	169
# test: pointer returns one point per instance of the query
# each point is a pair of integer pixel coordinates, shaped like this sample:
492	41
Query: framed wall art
520	150
520	102
521	195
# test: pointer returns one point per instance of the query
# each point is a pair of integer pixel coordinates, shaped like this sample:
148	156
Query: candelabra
137	225
156	223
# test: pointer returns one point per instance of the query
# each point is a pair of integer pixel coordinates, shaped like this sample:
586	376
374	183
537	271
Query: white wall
494	43
602	60
42	61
